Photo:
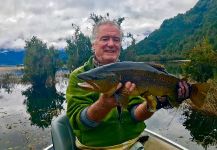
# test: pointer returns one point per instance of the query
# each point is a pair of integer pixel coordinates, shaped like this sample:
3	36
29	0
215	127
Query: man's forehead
109	33
109	36
108	28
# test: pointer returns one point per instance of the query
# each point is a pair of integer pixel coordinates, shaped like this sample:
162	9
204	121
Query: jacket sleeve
77	100
133	103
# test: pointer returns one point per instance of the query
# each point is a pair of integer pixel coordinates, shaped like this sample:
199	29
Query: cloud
51	20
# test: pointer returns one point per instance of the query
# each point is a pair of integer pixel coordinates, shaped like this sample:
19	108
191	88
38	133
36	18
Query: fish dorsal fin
157	66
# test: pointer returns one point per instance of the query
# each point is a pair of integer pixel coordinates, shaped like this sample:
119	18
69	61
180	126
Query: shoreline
10	68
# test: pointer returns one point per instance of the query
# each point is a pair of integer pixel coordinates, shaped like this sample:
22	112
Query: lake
26	114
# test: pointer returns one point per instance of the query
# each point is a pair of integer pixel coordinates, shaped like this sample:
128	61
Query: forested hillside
183	32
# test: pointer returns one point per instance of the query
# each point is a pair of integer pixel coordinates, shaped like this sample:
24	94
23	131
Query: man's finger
180	95
132	87
182	89
128	85
186	89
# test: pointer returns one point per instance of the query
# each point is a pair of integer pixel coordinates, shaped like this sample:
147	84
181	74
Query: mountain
183	31
11	57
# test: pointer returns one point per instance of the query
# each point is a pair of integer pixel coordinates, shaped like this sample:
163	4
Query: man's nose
111	42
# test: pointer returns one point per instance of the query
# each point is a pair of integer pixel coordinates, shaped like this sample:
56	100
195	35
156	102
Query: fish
150	80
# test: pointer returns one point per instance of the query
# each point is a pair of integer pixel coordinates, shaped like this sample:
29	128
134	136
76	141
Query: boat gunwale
154	134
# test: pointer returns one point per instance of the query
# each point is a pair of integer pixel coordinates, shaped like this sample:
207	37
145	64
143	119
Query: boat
63	138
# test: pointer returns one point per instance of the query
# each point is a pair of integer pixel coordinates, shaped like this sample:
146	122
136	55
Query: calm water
26	114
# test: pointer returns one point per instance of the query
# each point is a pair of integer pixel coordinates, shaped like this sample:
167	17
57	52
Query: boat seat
62	135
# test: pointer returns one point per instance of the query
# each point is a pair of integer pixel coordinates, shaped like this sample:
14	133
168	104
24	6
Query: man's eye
116	39
104	39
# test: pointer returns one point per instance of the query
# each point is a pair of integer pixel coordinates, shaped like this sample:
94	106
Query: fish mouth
89	85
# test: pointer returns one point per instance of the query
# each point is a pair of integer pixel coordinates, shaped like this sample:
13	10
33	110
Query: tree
97	18
40	63
203	63
78	48
53	64
129	53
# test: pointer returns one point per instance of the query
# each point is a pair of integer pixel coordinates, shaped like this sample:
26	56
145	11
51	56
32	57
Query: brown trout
149	80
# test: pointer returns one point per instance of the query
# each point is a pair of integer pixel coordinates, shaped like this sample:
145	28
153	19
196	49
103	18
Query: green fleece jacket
110	131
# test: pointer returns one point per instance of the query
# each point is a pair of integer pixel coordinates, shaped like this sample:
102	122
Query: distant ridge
184	31
12	57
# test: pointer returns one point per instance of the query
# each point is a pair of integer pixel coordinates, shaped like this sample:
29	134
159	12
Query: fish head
98	81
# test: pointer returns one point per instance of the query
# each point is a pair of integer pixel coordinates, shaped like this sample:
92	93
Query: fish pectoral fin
122	100
151	102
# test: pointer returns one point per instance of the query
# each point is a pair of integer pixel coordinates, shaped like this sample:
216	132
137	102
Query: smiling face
107	44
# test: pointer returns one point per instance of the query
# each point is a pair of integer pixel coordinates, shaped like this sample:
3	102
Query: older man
93	116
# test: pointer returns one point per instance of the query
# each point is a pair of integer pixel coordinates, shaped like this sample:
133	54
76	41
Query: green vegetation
7	81
40	63
203	65
78	49
182	37
181	33
177	38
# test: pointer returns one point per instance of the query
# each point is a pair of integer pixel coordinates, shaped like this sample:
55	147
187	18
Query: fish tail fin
198	93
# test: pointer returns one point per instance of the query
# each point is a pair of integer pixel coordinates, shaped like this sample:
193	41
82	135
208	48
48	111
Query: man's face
107	44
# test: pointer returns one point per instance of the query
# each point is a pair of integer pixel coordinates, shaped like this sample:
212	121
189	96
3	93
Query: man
93	116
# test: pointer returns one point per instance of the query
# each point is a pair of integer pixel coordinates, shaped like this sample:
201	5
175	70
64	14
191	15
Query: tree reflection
202	128
43	103
7	82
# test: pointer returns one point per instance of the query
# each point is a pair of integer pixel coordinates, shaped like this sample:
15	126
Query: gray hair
104	22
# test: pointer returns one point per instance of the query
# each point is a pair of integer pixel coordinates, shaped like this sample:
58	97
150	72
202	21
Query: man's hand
183	91
108	98
98	110
128	88
122	95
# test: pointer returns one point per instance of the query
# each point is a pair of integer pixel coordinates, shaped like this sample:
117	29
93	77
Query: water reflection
7	82
43	103
203	128
202	123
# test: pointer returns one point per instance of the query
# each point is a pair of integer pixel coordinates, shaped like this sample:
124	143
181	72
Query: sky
51	20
